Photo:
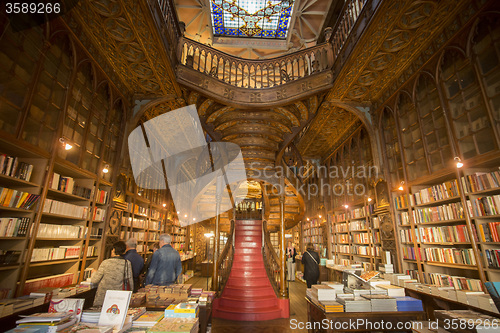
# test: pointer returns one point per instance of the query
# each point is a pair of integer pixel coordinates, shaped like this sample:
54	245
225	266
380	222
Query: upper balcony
248	82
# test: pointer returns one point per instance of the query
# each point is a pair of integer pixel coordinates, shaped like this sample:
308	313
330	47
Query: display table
359	321
435	302
9	322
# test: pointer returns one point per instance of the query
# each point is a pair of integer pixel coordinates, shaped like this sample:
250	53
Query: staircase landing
248	294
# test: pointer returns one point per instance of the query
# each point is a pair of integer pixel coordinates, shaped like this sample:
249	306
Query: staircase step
245	303
234	291
249	282
251	245
247	258
243	315
248	265
248	222
248	238
248	251
248	273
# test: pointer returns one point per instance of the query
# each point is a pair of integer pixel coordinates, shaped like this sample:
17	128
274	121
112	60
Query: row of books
480	181
55	253
141	210
61	231
340	217
312	232
445	234
154	225
52	281
68	185
314	223
407	236
157	215
493	258
92	251
450	255
359	225
14	226
9	257
153	236
12	167
453	211
410	253
341	249
64	208
363	250
359	213
489	232
343	239
17	199
99	214
437	192
307	239
484	206
102	196
458	282
340	227
363	238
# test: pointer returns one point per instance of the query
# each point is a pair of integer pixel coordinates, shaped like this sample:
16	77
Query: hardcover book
114	308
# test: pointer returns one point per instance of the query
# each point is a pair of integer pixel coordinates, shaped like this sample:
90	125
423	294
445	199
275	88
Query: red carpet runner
248	295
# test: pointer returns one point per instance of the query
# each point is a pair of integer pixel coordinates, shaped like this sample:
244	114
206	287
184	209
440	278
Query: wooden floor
298	311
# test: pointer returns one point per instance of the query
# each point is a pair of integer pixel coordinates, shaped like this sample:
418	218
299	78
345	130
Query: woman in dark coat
310	260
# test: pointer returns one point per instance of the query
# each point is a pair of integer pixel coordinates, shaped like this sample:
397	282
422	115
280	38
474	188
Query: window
251	18
433	123
50	95
468	111
19	53
411	138
392	149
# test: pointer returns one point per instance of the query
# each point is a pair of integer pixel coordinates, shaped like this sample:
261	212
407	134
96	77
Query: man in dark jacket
166	265
310	260
135	260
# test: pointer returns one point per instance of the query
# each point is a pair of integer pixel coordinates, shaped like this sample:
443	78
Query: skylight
251	18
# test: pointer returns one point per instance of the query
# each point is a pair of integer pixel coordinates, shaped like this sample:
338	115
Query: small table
359	321
204	315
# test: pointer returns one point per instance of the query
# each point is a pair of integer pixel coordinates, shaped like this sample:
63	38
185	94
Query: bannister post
283	292
218	198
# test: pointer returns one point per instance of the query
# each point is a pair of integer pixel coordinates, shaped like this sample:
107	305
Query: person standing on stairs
290	261
310	260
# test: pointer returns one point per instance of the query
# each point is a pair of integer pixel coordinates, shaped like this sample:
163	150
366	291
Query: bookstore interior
274	165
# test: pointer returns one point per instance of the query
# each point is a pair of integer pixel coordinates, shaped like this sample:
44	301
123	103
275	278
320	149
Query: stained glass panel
251	18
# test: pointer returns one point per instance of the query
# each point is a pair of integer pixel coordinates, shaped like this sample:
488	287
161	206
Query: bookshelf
313	232
22	171
433	227
355	236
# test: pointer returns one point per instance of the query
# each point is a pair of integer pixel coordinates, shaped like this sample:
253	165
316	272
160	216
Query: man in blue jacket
165	265
135	259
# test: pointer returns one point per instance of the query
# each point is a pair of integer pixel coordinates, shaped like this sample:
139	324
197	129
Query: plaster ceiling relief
120	31
304	26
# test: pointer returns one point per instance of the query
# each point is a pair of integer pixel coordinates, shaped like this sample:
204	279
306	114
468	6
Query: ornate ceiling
306	26
122	37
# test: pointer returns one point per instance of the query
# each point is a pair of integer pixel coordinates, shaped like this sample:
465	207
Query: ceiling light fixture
65	144
105	169
401	186
459	162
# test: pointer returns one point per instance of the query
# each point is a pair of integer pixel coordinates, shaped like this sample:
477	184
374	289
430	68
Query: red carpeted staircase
248	295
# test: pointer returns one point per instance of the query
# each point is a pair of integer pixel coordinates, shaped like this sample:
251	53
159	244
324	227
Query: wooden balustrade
271	260
254	74
225	261
352	10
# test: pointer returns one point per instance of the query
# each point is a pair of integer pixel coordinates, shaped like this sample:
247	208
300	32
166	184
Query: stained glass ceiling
251	18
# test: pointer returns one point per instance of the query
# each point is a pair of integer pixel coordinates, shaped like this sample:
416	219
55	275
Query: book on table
114	308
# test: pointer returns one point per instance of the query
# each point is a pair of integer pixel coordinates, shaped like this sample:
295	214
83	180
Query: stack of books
393	291
381	303
91	316
331	306
352	304
148	319
409	304
178	325
323	292
337	286
182	310
135	313
48	322
386	268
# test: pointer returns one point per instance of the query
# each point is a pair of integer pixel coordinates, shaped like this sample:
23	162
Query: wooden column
283	291
218	198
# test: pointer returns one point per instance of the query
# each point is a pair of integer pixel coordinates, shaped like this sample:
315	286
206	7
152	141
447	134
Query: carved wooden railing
225	261
165	16
271	260
252	74
351	11
246	210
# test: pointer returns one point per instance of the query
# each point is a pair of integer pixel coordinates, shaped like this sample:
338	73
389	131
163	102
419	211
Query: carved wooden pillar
218	198
283	291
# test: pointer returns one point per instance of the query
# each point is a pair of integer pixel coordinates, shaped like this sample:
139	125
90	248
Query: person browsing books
166	265
114	273
310	260
135	259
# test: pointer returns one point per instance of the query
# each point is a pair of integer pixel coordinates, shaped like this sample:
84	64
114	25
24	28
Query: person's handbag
125	284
